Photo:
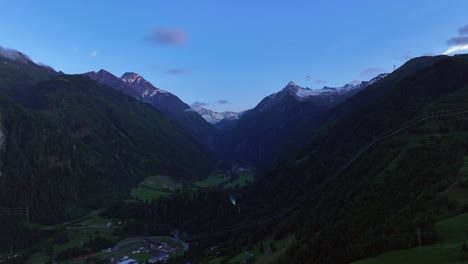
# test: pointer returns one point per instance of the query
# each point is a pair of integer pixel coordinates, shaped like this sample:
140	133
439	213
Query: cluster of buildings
159	250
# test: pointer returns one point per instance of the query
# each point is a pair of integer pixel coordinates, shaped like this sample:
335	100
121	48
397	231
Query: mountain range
233	137
70	143
215	117
282	123
136	86
342	173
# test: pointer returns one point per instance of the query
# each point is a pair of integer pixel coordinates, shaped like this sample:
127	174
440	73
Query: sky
229	54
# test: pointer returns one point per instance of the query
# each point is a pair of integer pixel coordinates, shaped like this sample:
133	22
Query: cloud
45	66
13	54
320	81
356	82
169	36
456	49
307	77
459	43
177	71
371	72
203	104
93	53
199	104
463	30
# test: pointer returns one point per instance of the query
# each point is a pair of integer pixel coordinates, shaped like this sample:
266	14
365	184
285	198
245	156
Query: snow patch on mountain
325	94
145	88
213	117
304	93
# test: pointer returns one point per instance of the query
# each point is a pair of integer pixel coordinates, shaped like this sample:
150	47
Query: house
128	261
163	258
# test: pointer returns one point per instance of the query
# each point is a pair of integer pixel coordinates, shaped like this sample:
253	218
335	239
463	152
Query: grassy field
223	181
244	179
452	233
213	180
436	254
154	187
146	194
254	253
77	234
159	186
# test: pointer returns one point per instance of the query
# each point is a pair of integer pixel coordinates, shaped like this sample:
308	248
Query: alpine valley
96	168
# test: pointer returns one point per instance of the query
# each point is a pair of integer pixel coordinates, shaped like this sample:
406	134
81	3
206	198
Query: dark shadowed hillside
390	192
93	142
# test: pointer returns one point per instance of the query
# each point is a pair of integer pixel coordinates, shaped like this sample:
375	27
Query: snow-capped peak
213	117
142	86
332	94
131	77
304	93
378	78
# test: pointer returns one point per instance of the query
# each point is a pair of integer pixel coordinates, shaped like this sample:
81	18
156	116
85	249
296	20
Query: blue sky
237	51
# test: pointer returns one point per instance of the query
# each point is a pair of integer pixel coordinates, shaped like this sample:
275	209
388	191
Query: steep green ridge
15	73
264	137
452	234
391	191
267	135
70	145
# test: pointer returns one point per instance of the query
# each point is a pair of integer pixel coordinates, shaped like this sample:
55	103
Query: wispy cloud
308	77
199	104
45	66
13	54
459	43
169	36
177	71
320	82
93	53
463	30
356	82
204	104
371	72
456	49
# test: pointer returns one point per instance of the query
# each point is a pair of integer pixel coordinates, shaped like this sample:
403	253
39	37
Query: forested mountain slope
71	144
392	190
